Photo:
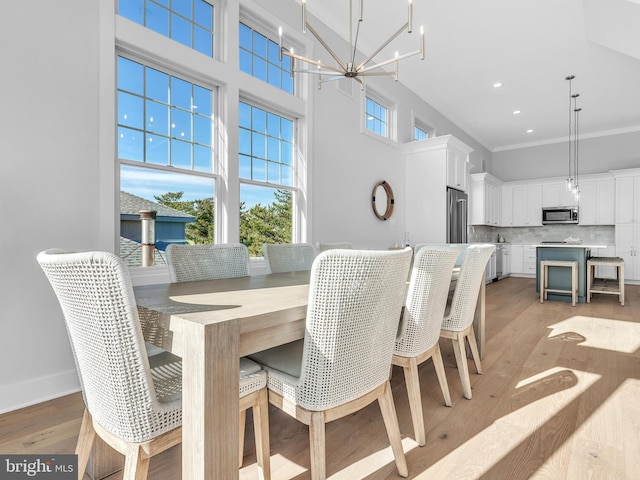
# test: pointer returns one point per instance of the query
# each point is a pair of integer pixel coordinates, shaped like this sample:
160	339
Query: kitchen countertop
569	245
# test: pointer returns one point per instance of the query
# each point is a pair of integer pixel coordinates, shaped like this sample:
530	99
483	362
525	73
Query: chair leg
86	439
415	400
136	466
463	368
261	430
473	345
241	428
388	410
442	376
317	446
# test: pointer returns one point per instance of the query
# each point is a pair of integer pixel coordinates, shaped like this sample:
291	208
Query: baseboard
30	392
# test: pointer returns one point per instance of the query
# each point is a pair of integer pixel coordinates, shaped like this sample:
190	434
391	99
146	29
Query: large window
260	57
189	22
266	173
165	148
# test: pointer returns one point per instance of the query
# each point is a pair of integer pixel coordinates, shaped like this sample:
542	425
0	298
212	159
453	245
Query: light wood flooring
559	399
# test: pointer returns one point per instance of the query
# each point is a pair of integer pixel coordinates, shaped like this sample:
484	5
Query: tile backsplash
601	235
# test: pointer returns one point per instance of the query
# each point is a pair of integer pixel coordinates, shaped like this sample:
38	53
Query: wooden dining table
210	324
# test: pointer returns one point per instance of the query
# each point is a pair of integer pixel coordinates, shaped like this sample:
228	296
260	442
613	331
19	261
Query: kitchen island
559	277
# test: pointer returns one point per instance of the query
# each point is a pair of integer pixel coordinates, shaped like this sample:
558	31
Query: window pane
181	30
273	149
130	76
244	142
202	130
157	118
130	144
157	85
259	170
273	173
180	93
245	115
130	110
259	120
202	101
202	159
260	56
258	145
157	19
184	206
180	154
265	217
157	150
189	22
180	124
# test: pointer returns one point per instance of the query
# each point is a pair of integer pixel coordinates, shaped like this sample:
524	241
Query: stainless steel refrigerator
457	207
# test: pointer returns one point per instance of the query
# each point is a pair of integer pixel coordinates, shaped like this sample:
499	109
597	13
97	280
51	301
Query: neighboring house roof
131	205
131	253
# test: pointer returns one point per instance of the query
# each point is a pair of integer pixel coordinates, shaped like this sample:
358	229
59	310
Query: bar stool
544	286
605	285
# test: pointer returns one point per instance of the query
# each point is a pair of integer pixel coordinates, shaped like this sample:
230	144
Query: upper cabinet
556	194
627	196
431	166
597	201
485	200
527	205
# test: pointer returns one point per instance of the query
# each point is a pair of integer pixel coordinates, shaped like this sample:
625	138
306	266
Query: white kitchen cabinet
556	194
627	196
457	162
628	247
426	180
505	252
490	272
485	200
517	262
506	213
529	261
527	205
597	202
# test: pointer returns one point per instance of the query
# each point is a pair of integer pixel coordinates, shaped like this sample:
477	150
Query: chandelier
572	180
349	68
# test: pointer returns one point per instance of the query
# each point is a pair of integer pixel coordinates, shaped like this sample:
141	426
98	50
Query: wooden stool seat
605	285
544	284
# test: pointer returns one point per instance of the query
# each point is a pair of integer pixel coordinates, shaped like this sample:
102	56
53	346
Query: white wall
597	155
49	183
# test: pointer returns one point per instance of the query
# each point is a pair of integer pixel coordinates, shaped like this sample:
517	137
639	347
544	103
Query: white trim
583	136
36	390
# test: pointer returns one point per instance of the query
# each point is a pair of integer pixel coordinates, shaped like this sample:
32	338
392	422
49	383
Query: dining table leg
210	401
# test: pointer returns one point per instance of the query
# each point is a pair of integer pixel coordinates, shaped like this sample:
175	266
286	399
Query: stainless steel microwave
559	215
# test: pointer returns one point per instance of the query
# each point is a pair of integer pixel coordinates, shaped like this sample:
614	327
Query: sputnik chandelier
348	68
572	180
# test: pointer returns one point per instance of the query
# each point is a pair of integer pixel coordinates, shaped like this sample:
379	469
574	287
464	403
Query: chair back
355	300
426	299
465	295
96	296
462	246
288	257
207	262
330	246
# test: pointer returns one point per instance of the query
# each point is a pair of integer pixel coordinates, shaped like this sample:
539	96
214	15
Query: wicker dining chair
343	362
207	262
421	323
288	257
135	408
457	323
330	246
214	262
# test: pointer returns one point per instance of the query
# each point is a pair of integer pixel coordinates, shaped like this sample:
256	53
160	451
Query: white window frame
422	125
392	112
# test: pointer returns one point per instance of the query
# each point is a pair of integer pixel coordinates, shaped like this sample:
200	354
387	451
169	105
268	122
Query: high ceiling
530	46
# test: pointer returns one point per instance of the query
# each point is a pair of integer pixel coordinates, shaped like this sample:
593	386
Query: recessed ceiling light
516	112
497	85
530	130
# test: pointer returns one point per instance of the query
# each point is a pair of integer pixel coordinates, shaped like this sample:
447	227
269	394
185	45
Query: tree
266	224
200	231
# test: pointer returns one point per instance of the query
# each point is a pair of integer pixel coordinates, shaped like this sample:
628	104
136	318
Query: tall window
260	57
165	149
266	175
377	118
189	22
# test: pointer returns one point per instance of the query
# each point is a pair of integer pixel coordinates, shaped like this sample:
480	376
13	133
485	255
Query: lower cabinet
523	260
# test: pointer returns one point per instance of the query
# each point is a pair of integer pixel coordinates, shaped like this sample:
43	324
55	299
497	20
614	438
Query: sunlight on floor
372	463
603	333
488	447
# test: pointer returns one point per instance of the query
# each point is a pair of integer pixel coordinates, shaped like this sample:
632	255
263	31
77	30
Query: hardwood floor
559	399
